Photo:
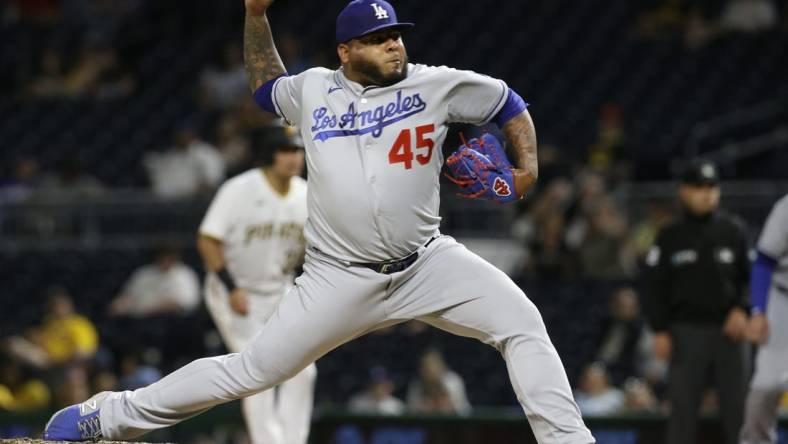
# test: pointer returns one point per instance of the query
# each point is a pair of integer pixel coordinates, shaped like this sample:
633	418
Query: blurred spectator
643	235
552	165
607	155
378	398
136	373
638	397
63	338
437	389
69	182
167	286
50	80
19	392
22	183
590	189
543	229
667	18
192	166
703	24
232	144
549	257
289	47
749	16
225	85
623	332
104	381
73	388
697	20
595	396
601	253
98	74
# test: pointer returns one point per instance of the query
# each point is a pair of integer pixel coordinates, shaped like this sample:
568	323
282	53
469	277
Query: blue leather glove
491	147
477	175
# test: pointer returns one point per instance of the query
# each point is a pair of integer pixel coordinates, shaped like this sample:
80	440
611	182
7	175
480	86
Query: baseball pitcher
372	131
251	240
768	327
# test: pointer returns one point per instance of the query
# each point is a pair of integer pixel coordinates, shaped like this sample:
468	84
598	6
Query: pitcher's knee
521	318
261	373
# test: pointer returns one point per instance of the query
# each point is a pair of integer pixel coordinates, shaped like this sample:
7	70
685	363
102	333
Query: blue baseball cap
362	17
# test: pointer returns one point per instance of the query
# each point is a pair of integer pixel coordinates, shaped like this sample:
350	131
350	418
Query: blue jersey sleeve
761	281
264	95
513	106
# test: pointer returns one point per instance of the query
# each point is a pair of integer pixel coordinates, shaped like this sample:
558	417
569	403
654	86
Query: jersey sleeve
287	96
475	98
773	241
217	223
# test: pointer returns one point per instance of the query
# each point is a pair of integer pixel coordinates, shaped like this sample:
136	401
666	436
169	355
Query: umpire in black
696	301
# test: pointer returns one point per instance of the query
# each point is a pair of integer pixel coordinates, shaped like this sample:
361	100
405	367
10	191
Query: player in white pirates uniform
372	132
768	327
251	240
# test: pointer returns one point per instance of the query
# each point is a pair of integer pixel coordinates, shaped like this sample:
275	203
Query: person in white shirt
251	241
192	166
437	389
167	286
595	396
378	398
225	85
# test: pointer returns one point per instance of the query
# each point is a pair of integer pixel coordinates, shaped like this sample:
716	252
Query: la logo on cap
707	170
380	12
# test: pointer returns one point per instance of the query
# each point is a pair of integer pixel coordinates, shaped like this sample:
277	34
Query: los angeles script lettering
373	117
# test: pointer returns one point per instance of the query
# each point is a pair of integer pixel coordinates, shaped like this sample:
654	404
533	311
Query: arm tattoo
520	133
261	59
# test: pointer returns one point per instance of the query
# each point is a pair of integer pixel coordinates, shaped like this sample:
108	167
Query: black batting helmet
269	139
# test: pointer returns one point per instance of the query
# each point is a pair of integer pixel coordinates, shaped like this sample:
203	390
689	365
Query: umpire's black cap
699	173
269	139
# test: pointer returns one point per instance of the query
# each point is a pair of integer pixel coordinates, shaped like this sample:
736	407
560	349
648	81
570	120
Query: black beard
376	77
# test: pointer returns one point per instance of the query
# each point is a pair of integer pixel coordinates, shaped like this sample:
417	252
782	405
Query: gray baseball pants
448	287
771	376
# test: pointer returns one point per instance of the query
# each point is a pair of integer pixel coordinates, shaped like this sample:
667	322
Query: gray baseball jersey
374	160
373	154
774	241
771	368
771	364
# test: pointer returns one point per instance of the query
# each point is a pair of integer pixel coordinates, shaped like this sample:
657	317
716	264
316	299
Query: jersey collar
267	184
348	84
359	90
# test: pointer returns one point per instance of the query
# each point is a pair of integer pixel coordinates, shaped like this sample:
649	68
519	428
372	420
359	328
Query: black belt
395	266
781	289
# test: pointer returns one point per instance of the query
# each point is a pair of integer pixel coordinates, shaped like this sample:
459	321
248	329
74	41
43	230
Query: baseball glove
482	171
